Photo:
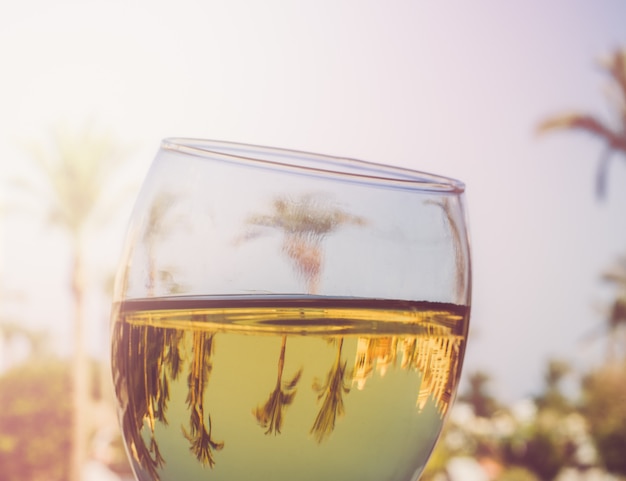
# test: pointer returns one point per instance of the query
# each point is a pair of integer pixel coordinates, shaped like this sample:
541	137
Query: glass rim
313	163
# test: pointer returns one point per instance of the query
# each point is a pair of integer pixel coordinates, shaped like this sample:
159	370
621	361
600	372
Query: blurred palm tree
159	225
305	223
616	321
613	136
75	170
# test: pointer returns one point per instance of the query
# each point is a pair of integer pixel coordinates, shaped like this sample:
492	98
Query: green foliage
604	405
35	421
544	453
478	396
552	397
517	473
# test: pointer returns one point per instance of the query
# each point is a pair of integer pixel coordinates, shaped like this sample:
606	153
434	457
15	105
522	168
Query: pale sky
449	87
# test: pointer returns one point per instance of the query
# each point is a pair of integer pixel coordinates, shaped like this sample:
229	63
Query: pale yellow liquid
284	388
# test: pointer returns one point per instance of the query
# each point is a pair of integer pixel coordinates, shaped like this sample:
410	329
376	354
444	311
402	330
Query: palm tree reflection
332	390
142	386
305	222
159	225
460	253
199	435
148	359
270	415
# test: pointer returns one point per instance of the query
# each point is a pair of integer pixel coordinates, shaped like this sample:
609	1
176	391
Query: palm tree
200	435
614	137
75	170
305	223
617	312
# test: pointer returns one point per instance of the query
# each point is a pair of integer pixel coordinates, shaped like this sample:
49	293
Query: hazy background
452	87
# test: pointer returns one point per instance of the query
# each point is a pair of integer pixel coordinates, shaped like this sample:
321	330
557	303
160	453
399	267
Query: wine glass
282	315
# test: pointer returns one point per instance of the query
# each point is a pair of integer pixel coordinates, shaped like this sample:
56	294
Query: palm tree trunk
79	371
602	173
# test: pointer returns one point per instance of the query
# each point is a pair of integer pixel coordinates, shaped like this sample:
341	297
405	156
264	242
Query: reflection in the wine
270	415
332	390
199	436
149	360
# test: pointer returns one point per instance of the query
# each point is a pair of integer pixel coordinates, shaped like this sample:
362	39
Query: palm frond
577	121
201	441
614	137
614	140
294	381
74	170
615	66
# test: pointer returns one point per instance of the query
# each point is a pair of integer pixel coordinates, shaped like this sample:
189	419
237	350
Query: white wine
284	388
